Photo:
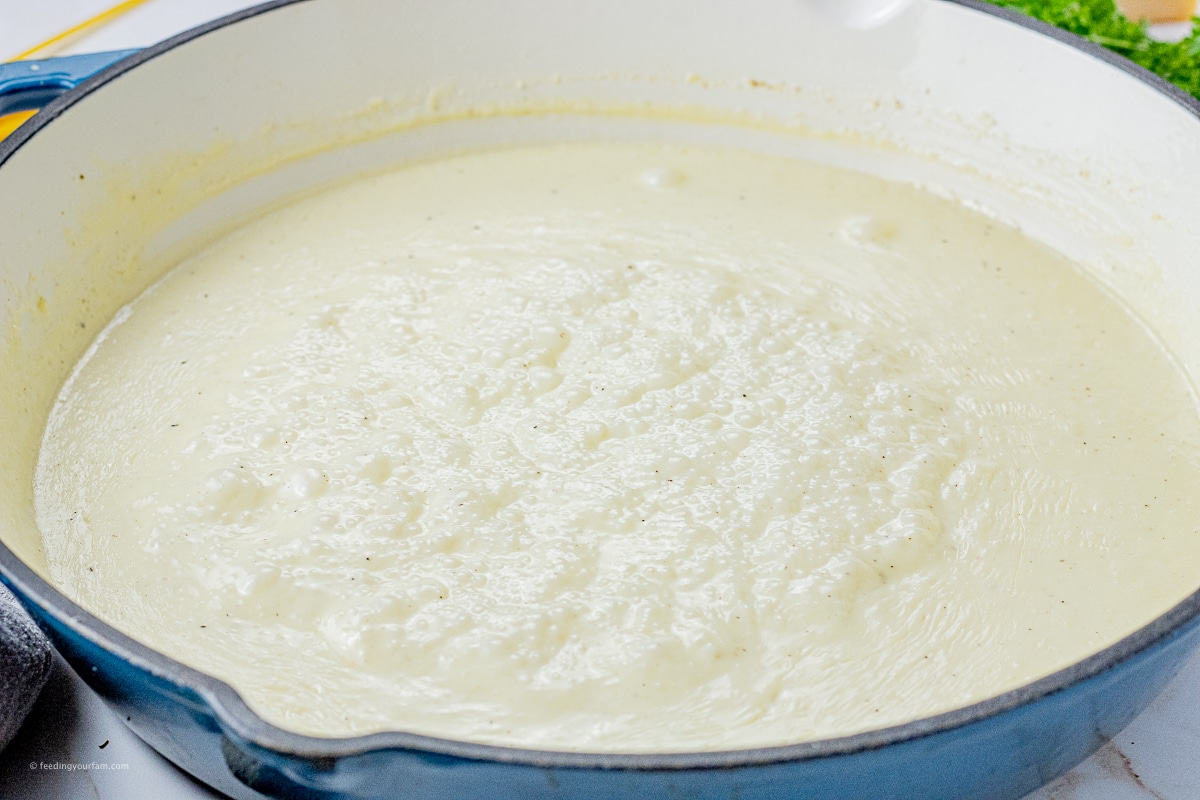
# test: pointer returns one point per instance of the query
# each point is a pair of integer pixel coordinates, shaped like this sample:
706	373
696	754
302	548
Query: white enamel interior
98	204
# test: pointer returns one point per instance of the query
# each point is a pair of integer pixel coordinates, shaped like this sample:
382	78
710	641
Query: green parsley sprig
1101	22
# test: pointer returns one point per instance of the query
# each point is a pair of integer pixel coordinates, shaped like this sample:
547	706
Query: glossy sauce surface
623	447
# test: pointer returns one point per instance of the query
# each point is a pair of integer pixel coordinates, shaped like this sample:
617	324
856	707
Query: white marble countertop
73	746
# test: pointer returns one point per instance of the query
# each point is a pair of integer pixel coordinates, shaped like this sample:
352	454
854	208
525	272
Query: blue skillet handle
27	85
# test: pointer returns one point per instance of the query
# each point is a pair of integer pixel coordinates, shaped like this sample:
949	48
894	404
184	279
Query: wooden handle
1158	10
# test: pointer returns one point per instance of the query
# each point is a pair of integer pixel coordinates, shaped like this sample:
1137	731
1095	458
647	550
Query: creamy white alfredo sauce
623	447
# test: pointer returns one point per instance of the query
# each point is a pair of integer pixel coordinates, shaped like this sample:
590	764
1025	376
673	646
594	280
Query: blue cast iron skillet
999	749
